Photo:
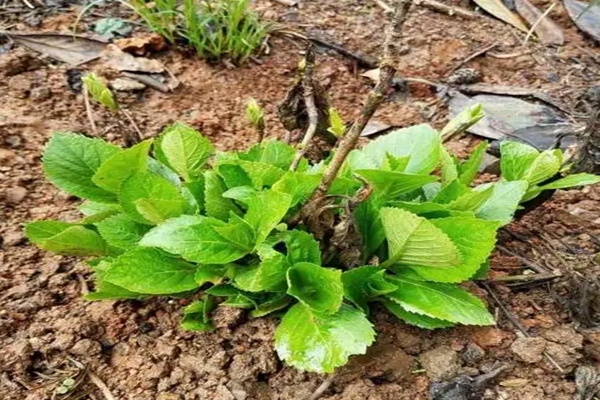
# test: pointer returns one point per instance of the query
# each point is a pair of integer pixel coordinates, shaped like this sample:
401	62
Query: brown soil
137	349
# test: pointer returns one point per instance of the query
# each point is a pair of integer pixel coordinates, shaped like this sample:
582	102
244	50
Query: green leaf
301	247
418	320
368	220
269	275
209	273
271	152
413	240
544	167
235	297
195	239
320	343
151	271
448	166
107	291
111	174
149	199
111	27
240	193
440	300
185	150
467	170
319	288
266	209
237	231
120	231
390	184
363	284
336	124
96	212
99	91
475	239
196	189
70	161
196	316
504	201
568	181
516	159
276	302
463	121
420	142
450	192
472	200
65	238
299	185
216	205
261	174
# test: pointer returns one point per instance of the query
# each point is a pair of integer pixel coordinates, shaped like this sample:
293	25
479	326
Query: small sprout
256	116
463	121
65	386
99	91
336	124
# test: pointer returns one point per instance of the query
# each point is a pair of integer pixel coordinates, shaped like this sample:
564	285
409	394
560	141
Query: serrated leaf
368	221
209	273
299	185
65	238
301	247
504	201
393	163
151	271
448	166
96	212
440	300
450	192
111	174
336	124
573	180
120	231
413	240
261	174
545	166
319	288
185	150
70	161
216	205
265	211
195	239
269	275
363	284
390	185
236	298
271	152
320	343
99	91
149	199
418	320
475	239
240	193
237	231
467	170
196	316
107	291
276	302
420	142
472	200
515	159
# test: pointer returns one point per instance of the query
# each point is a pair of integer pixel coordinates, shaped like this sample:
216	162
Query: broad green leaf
120	231
363	284
209	273
413	240
196	189
276	302
475	239
70	161
107	291
440	300
196	316
96	212
151	271
299	185
301	247
261	174
195	239
121	166
65	238
216	205
568	181
149	199
357	159
467	170
544	167
448	166
420	142
426	208
237	231
368	220
504	201
271	152
269	275
319	288
516	159
390	185
472	200
418	320
320	343
265	211
450	192
185	150
235	297
240	193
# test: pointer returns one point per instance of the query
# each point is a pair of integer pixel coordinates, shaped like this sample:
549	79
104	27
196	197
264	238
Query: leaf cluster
175	217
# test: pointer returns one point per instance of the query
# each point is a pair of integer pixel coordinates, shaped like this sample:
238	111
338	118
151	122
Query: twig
526	277
132	139
375	98
446	9
322	388
536	267
311	107
535	25
149	81
289	3
101	385
473	56
88	111
362	60
84	287
385	6
29	5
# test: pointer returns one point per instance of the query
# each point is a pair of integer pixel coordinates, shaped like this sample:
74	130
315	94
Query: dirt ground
135	350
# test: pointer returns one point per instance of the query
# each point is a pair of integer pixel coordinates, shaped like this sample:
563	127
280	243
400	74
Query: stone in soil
441	363
15	194
530	349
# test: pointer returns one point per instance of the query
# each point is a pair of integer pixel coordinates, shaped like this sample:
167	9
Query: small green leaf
504	201
196	316
413	240
336	124
368	220
316	342
299	185
261	174
120	231
544	167
363	284
574	180
96	212
276	302
65	238
472	200
467	170
450	192
209	273
107	291
266	209
185	150
70	161
390	185
216	205
121	166
243	194
237	231
195	239
269	275
271	152
255	114
151	271
319	288
516	159
440	300
99	91
301	247
448	166
463	121
418	320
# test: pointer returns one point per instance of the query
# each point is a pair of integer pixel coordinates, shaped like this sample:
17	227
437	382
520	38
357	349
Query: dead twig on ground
136	136
101	386
534	266
88	111
447	9
361	59
322	388
537	23
473	56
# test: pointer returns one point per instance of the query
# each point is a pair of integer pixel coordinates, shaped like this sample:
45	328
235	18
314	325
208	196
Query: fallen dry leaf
586	16
500	11
119	60
546	30
141	45
71	49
